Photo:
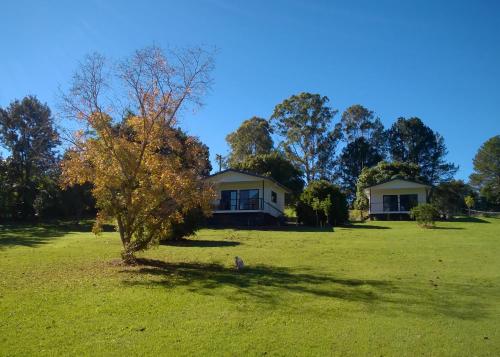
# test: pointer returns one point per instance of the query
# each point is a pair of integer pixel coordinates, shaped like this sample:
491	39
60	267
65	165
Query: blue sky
438	60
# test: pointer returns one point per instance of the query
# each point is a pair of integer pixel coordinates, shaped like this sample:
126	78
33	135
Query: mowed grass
375	289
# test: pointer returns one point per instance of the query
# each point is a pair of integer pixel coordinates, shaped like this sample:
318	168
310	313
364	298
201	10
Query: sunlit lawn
376	289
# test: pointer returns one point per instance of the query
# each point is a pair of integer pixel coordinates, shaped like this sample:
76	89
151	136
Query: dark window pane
407	202
274	197
249	199
390	203
228	200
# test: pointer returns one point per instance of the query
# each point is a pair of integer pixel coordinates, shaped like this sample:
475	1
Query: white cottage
395	198
245	198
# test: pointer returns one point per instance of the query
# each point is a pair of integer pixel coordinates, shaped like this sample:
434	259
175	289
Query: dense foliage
253	137
363	134
449	197
145	175
317	196
410	140
356	156
193	155
192	220
29	173
359	122
274	165
486	175
425	215
304	121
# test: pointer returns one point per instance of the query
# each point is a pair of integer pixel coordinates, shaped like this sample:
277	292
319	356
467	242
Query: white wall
280	204
236	181
377	201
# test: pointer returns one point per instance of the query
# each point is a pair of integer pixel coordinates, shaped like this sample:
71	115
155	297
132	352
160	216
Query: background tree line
30	171
297	145
303	136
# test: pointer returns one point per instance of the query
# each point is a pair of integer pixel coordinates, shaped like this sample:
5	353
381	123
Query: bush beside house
449	197
320	191
192	220
425	215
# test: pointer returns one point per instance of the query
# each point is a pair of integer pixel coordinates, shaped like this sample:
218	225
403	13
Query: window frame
249	203
411	203
390	205
274	197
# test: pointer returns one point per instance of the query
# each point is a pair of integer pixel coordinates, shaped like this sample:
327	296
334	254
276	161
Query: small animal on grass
238	262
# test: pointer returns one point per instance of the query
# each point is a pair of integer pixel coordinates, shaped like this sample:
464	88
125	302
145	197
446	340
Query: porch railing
246	204
379	207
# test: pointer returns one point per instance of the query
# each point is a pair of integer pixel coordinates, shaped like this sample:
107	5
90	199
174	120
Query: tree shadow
35	235
201	243
468	220
267	285
27	236
364	226
447	228
283	228
258	281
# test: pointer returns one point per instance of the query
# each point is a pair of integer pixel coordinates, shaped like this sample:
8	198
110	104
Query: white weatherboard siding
377	198
237	181
396	187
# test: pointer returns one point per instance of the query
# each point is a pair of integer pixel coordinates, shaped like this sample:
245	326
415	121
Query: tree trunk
128	256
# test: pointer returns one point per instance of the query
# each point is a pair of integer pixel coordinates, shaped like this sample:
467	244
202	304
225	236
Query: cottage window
407	202
391	203
249	200
274	197
229	200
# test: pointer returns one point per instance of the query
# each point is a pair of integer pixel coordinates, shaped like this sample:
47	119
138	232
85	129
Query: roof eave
287	190
398	179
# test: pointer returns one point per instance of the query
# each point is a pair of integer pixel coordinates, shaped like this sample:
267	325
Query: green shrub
357	215
425	215
290	212
314	200
192	221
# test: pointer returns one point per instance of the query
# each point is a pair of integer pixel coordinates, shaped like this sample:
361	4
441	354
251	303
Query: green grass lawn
376	289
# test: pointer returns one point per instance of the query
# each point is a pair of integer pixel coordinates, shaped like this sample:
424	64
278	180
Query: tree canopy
274	165
449	197
27	132
138	177
322	203
253	137
359	122
486	175
355	156
410	140
304	121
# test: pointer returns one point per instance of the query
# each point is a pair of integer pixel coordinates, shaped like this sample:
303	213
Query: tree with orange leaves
144	175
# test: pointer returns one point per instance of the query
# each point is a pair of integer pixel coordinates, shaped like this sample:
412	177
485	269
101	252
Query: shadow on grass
35	235
259	281
363	226
27	236
201	243
446	228
285	228
268	285
469	220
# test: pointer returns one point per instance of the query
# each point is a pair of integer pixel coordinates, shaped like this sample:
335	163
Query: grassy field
376	289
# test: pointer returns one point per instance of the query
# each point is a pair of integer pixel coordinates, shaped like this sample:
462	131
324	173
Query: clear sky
438	60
